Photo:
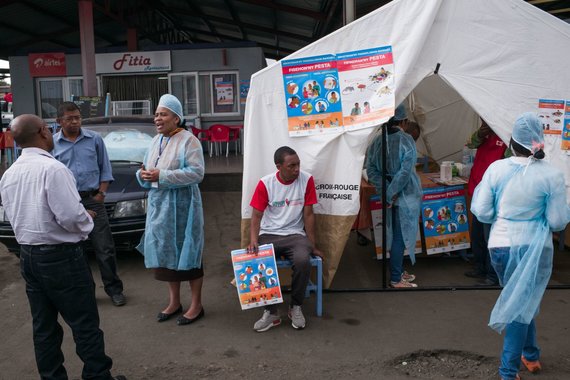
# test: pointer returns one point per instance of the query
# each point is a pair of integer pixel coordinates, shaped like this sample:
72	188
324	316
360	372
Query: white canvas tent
496	59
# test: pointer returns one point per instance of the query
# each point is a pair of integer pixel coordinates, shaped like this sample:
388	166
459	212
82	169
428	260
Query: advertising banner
136	62
367	87
243	90
551	115
47	65
444	219
256	277
376	211
312	95
224	92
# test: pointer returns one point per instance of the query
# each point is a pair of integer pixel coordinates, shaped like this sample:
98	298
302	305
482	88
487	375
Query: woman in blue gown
174	233
524	198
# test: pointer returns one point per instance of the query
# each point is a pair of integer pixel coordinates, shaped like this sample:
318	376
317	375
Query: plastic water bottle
466	157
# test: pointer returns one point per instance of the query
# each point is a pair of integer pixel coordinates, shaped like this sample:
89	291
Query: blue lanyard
161	149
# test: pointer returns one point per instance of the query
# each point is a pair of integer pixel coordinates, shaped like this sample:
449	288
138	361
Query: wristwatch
103	193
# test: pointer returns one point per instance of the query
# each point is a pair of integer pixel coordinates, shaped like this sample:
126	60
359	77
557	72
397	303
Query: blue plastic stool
311	287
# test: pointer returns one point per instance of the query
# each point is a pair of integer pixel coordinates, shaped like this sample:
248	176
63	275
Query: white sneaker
408	277
267	321
296	316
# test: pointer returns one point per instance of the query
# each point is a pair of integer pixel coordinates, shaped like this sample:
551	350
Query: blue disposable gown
174	231
531	197
404	183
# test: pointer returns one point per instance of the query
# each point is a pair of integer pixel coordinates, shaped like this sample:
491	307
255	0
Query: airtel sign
134	62
47	65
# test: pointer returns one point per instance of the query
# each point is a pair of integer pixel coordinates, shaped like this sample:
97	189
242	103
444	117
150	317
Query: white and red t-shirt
282	203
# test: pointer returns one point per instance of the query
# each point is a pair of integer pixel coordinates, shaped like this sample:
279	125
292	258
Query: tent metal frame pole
384	204
430	289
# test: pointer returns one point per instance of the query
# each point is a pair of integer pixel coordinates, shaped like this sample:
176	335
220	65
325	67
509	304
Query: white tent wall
500	56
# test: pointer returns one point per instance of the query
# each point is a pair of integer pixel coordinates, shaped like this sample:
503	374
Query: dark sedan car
127	139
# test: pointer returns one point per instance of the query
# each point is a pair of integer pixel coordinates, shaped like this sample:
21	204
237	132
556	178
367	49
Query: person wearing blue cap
84	153
524	199
404	193
174	233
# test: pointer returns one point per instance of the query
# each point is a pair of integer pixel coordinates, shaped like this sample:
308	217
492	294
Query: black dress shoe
118	299
161	317
182	320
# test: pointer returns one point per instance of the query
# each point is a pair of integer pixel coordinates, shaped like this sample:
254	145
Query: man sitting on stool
283	215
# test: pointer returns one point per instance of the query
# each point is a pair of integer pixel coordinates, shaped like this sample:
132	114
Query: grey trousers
298	249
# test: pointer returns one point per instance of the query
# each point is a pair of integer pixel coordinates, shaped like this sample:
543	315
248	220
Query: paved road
357	338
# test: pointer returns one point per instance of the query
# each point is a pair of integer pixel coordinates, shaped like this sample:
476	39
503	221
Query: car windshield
125	141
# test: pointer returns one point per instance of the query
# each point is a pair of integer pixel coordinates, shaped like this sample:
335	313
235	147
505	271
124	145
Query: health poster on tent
444	219
551	115
256	277
366	80
376	213
312	95
565	145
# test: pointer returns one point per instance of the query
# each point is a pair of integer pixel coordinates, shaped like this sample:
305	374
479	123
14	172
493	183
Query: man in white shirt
283	215
41	201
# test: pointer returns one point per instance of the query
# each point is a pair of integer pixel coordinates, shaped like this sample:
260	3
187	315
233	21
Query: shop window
220	91
183	86
53	91
206	93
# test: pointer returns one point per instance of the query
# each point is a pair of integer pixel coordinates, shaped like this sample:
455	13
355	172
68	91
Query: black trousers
296	248
479	240
104	247
59	281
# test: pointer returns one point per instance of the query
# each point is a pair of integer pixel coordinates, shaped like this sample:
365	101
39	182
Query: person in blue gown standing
524	198
404	193
174	233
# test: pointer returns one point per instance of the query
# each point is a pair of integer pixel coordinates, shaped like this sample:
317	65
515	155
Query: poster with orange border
565	144
312	95
551	115
376	213
444	219
257	280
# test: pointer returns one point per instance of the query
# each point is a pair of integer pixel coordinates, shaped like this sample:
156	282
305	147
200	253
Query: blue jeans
59	282
397	250
520	339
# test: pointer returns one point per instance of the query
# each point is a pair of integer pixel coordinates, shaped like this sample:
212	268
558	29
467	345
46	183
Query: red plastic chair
201	134
219	133
235	133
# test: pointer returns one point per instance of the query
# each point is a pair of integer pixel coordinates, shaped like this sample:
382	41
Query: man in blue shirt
84	153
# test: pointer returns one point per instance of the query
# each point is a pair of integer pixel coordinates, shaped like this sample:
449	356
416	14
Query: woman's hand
151	175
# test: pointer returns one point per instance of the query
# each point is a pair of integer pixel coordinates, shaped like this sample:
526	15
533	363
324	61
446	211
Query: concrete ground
362	335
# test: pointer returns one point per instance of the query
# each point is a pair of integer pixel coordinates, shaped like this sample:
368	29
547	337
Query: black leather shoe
161	317
182	320
118	299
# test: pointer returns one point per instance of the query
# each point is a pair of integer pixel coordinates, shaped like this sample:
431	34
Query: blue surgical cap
172	103
400	113
528	132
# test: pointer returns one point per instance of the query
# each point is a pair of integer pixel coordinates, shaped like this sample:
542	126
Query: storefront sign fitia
134	62
47	65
